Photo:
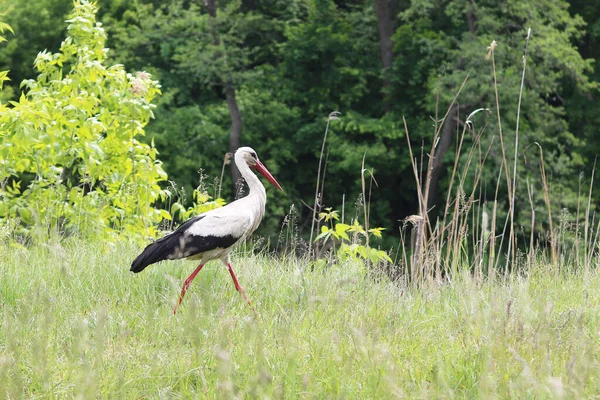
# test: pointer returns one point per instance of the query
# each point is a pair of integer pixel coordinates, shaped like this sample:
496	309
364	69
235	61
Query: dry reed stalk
363	185
546	192
512	242
343	205
453	176
436	134
577	225
483	238
455	236
416	238
489	55
481	211
320	204
421	239
404	256
587	218
438	249
594	245
471	199
476	237
492	246
451	234
332	116
531	242
456	228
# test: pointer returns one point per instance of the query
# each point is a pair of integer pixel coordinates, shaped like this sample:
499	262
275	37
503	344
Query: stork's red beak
265	172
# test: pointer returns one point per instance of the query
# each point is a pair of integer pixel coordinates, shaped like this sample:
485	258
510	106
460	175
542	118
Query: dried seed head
414	219
139	84
138	87
142	75
334	115
490	49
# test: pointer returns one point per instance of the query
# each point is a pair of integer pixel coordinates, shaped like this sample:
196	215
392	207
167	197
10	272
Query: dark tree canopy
271	71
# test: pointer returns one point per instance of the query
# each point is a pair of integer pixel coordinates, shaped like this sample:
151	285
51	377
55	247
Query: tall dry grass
466	234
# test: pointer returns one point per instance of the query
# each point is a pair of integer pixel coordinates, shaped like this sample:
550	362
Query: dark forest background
267	73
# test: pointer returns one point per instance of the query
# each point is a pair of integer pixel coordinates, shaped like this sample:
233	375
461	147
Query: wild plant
353	238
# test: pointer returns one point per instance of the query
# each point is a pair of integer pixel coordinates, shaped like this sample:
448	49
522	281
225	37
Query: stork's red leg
238	287
186	285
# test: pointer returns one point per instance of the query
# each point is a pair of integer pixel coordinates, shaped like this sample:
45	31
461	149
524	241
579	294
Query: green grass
76	322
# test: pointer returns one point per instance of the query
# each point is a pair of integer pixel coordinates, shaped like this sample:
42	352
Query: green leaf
384	256
325	233
5	27
376	231
328	215
341	229
165	214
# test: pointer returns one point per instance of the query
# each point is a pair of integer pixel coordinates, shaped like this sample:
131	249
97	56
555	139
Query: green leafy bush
70	158
354	246
202	202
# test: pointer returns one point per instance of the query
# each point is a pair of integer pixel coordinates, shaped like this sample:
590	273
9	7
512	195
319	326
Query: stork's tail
171	247
146	258
153	253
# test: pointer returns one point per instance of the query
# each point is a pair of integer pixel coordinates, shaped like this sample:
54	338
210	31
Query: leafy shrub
202	202
70	160
354	246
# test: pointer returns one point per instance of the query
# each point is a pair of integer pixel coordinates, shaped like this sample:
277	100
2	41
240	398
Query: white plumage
212	235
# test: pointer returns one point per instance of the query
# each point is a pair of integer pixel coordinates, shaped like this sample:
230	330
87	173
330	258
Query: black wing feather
178	244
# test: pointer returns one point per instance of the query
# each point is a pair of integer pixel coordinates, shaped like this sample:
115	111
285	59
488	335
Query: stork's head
248	155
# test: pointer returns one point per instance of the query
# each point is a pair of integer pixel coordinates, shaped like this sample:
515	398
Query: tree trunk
232	105
472	21
236	131
212	9
386	11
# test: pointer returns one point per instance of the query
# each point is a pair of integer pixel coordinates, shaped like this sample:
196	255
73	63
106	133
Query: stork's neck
255	187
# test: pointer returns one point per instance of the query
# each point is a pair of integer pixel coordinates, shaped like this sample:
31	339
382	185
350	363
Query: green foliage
201	203
459	50
293	62
353	238
38	25
71	158
3	28
177	42
582	106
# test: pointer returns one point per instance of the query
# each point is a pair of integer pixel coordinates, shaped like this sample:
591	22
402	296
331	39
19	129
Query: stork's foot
184	289
245	296
186	285
239	287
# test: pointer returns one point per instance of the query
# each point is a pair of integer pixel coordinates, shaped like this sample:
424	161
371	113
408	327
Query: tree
387	12
553	65
35	22
228	87
581	105
207	43
288	64
71	158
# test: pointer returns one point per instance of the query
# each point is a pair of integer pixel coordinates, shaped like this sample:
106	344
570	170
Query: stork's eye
253	154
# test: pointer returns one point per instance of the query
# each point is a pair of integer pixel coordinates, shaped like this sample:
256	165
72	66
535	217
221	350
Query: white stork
212	235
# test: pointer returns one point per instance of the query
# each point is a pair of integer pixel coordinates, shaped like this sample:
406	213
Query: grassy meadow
497	292
77	323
